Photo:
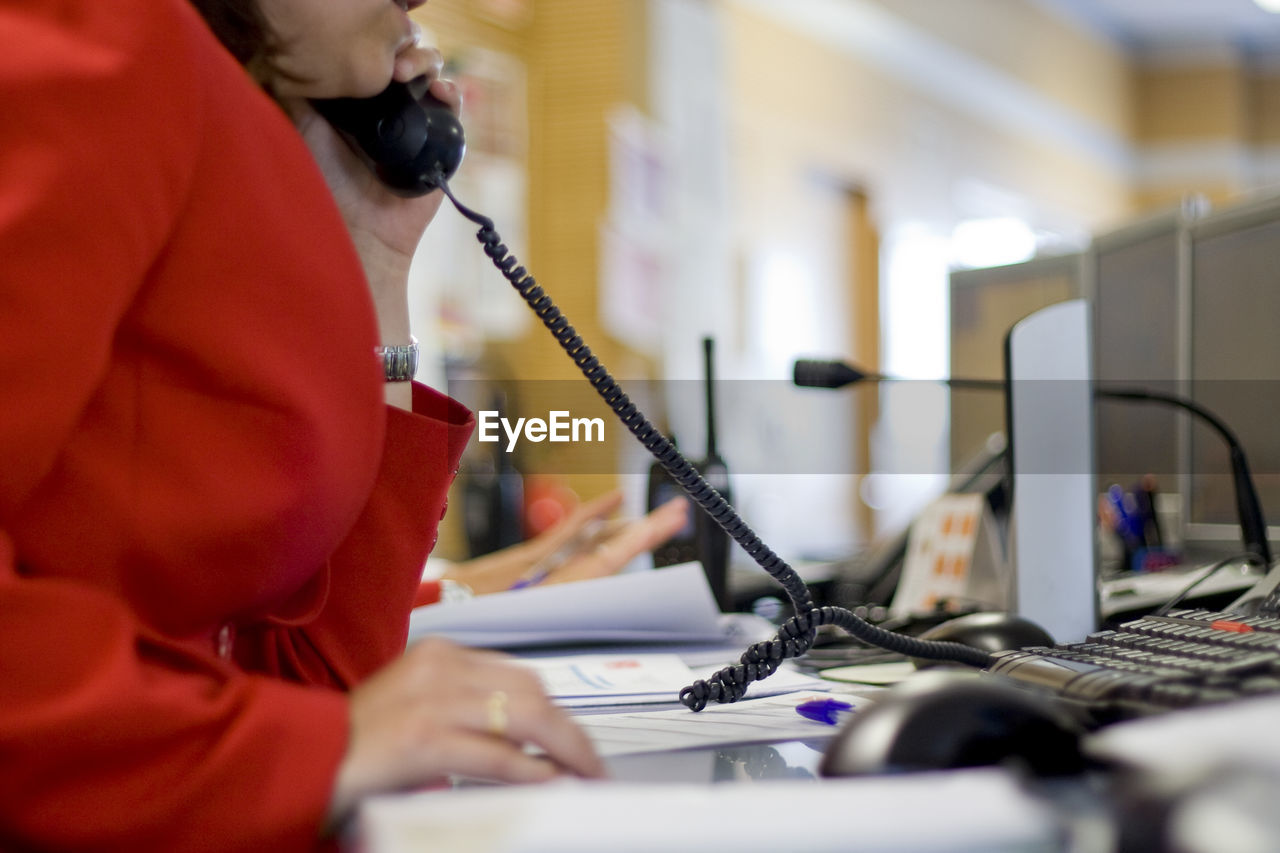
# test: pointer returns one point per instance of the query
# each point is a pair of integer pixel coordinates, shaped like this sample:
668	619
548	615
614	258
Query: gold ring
496	706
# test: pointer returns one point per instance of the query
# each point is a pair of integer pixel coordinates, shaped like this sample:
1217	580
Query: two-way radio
701	538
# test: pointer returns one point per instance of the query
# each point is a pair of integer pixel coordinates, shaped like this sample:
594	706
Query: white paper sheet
871	673
611	680
766	720
661	605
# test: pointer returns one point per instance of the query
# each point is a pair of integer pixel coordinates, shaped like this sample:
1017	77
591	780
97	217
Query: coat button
224	641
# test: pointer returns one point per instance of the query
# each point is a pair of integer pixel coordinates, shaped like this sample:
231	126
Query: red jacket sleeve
375	574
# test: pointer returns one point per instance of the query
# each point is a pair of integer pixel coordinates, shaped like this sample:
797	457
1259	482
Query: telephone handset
410	140
413	155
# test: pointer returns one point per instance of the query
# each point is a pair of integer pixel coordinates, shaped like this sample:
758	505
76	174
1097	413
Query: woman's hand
392	222
385	228
443	710
580	546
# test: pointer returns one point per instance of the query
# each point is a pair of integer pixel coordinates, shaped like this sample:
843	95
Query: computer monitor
1054	484
1131	278
985	304
1232	364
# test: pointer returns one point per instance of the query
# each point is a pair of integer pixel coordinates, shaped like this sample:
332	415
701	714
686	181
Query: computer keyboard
1180	659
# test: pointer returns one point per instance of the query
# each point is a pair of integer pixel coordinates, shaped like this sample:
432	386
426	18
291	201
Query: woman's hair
244	31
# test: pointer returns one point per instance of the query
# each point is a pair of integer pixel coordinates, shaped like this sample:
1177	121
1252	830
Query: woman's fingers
581	546
478	756
418	61
573	524
631	540
524	718
599	507
655	528
444	710
447	92
507	702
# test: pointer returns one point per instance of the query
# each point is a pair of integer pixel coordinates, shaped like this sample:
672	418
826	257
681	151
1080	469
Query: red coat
210	524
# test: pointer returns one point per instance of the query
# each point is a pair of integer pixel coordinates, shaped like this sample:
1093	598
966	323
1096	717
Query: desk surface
796	760
676	799
1148	591
951	812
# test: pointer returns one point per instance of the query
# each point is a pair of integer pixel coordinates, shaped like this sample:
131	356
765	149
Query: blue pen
591	532
823	710
532	578
1128	528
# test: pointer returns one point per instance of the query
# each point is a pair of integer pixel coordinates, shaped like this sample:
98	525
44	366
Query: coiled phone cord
796	634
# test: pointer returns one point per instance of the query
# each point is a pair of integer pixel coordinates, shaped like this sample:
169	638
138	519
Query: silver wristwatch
399	363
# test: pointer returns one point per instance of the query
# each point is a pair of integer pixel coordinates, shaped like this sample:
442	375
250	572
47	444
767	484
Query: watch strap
399	363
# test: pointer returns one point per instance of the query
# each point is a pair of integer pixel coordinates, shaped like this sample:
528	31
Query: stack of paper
670	605
605	680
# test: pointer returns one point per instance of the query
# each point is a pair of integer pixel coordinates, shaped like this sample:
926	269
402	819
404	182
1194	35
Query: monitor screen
1233	364
1134	290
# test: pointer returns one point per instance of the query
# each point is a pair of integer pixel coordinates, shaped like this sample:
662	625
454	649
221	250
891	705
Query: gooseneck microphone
815	373
812	373
1253	528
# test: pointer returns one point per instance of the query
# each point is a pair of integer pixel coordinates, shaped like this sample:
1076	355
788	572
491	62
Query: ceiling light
992	242
1269	5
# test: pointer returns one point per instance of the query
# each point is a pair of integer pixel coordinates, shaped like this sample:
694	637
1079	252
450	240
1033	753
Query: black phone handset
389	123
410	140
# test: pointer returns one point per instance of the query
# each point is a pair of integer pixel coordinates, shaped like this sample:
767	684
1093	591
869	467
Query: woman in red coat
213	506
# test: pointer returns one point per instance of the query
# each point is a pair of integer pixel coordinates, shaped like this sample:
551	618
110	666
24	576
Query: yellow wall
1066	65
1191	104
582	65
1215	117
803	109
460	23
798	103
838	113
1264	107
582	58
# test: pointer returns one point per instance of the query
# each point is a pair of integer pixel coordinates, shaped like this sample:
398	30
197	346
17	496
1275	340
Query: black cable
1270	606
797	634
813	373
1248	557
1253	527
